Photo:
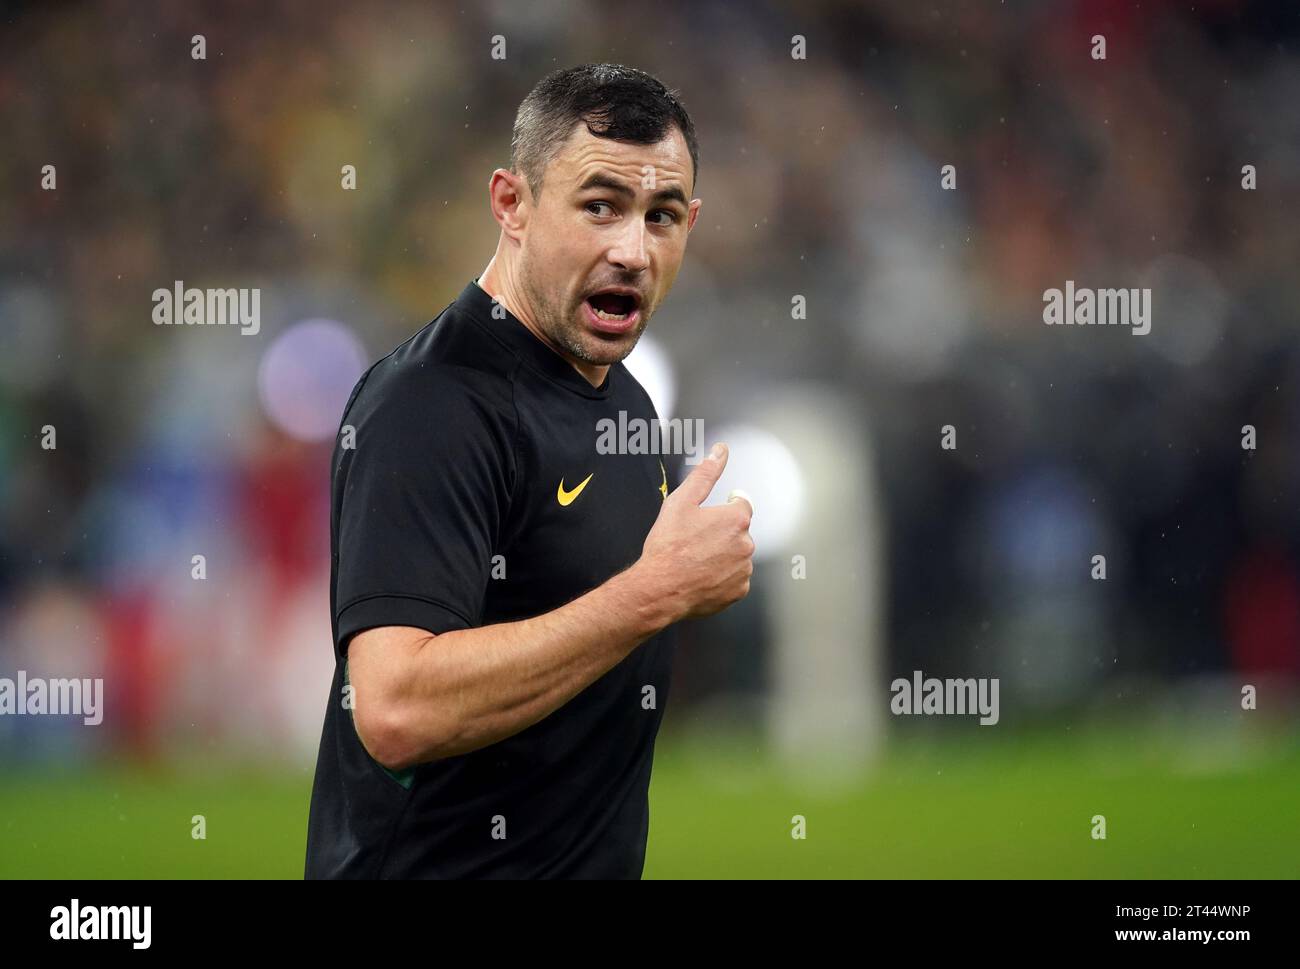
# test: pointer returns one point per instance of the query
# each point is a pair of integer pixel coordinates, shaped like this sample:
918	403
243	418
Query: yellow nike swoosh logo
565	498
663	488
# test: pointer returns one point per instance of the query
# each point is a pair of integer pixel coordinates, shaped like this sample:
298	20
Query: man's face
605	241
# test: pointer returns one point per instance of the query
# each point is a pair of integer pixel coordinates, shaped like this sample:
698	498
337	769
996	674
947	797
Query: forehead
584	153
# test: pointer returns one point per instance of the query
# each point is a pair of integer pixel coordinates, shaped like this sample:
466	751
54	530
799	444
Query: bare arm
422	697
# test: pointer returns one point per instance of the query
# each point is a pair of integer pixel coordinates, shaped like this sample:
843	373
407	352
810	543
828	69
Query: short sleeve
419	499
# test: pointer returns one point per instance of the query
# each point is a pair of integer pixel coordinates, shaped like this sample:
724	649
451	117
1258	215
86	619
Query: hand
703	557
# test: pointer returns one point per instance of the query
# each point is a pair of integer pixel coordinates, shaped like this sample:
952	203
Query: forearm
465	689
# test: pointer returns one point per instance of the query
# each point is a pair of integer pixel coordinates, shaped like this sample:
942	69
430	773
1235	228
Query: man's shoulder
450	367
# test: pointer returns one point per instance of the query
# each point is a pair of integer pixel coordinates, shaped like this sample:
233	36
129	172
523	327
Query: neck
499	282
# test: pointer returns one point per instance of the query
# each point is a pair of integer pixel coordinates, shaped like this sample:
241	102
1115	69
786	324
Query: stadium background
820	178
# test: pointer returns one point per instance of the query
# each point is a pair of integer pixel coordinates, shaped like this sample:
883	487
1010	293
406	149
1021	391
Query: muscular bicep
419	500
381	664
420	497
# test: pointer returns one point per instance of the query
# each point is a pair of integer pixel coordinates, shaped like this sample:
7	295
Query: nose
628	251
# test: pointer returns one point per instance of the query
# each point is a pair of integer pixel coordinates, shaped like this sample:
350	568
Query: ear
692	214
510	201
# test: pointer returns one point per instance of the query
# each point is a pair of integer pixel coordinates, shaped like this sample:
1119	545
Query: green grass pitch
954	808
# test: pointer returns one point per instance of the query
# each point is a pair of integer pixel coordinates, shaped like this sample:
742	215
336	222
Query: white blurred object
650	364
806	458
760	463
1188	309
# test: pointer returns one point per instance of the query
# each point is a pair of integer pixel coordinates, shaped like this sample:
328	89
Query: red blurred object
282	507
1262	606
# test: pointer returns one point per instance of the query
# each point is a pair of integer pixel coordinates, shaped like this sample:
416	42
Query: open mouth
614	306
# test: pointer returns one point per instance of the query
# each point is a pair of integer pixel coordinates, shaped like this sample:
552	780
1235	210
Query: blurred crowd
820	177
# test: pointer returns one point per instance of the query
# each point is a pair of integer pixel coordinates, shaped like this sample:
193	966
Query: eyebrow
607	181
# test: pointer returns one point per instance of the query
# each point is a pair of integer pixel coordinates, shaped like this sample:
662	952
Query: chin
602	349
609	352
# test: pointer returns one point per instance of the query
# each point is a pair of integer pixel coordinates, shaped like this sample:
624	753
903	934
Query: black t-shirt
455	457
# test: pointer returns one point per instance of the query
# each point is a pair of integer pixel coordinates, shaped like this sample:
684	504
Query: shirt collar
540	357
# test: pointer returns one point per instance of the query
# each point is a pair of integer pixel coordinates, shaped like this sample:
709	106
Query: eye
591	205
672	216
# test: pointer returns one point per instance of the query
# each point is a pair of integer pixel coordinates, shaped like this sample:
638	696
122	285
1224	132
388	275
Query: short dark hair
613	101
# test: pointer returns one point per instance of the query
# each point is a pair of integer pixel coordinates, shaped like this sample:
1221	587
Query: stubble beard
565	327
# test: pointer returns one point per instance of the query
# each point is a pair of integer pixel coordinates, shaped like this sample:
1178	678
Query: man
498	587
